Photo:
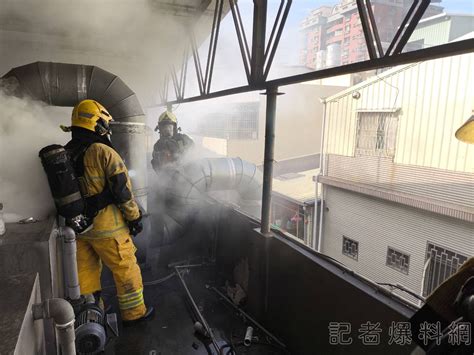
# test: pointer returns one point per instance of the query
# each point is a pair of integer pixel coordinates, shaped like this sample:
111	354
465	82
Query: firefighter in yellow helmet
172	144
100	168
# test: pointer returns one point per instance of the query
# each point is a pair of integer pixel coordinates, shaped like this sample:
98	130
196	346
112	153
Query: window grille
350	248
442	263
376	133
398	260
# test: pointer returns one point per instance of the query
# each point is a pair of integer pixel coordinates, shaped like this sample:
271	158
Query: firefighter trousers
118	254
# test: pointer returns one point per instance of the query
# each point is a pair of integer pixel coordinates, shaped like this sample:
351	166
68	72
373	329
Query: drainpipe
314	242
321	172
423	278
71	277
62	314
271	93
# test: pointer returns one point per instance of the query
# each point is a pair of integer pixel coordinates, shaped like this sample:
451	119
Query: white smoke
26	126
134	39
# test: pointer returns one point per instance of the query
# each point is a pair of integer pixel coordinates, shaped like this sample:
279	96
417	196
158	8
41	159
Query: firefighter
172	145
98	167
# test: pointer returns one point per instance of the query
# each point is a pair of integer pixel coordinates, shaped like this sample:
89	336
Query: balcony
289	289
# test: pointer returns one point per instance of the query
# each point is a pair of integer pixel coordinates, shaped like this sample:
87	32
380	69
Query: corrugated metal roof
386	74
371	80
300	189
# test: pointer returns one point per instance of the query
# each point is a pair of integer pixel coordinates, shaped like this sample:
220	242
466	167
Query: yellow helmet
167	117
465	133
91	115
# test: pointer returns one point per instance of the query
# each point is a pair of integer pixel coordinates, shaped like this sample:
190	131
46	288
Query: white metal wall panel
442	185
432	34
434	98
378	224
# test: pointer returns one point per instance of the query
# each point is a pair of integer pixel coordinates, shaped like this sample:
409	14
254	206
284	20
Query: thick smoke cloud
25	127
135	39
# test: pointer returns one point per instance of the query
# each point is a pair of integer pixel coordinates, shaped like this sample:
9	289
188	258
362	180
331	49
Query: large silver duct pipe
187	188
61	84
191	181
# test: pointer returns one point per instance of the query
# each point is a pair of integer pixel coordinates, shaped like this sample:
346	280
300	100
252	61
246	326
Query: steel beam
445	50
364	19
375	31
273	46
420	10
213	45
176	87
197	64
257	59
400	30
241	38
275	24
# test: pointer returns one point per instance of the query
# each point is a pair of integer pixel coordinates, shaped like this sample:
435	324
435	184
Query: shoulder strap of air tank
77	156
98	201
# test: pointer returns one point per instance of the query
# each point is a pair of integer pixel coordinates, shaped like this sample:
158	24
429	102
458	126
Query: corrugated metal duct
187	189
61	84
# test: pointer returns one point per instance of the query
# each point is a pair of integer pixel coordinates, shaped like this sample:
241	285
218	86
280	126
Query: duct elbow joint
62	313
57	309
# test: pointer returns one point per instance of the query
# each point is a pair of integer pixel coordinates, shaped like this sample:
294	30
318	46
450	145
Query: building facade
398	188
334	36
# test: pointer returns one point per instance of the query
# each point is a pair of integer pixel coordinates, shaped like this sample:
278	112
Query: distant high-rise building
334	36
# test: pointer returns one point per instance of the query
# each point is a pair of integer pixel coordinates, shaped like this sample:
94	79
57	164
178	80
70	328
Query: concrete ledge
18	332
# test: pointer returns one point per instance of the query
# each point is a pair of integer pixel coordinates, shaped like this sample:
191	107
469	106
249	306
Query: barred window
441	263
235	121
398	260
376	133
350	248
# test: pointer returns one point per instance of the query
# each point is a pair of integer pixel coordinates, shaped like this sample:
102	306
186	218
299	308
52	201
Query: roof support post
271	93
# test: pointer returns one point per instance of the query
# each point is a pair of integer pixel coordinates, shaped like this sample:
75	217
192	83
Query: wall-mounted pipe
322	172
62	314
71	276
61	84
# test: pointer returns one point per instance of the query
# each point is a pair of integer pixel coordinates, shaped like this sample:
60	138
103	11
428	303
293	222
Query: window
290	218
235	121
398	260
440	263
376	133
350	248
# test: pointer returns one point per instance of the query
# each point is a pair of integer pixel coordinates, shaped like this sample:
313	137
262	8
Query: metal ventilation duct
194	179
187	190
61	84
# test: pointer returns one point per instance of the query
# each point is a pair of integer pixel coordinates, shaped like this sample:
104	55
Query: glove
136	226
